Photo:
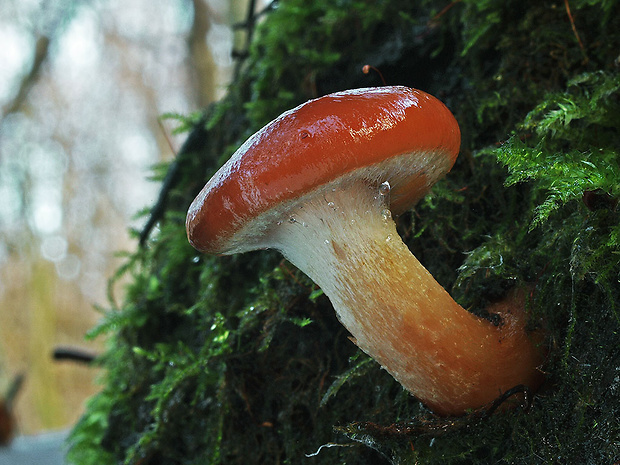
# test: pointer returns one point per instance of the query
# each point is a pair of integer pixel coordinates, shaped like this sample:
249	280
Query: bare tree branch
40	56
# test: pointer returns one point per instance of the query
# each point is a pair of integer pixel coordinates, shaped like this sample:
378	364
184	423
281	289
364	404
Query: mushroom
319	184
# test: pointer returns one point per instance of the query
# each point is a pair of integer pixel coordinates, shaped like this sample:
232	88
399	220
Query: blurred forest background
83	87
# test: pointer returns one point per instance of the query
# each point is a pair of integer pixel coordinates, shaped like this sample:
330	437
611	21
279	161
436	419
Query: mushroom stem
343	237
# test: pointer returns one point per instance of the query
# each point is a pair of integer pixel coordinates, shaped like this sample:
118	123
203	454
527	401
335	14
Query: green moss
241	359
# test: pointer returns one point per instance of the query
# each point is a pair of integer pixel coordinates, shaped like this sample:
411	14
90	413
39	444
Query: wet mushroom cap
396	134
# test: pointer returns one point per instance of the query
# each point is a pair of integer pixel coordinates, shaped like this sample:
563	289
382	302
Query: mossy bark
241	359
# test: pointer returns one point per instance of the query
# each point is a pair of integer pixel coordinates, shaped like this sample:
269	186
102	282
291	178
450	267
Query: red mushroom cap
396	134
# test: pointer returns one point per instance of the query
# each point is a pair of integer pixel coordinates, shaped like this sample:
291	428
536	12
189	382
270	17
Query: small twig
13	390
248	25
193	143
435	427
444	10
74	354
157	212
165	133
41	53
572	24
519	389
256	16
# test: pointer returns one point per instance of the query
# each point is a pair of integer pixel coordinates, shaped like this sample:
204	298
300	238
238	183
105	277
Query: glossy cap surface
396	134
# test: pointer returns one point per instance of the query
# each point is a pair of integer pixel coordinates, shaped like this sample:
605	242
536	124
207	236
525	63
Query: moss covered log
240	359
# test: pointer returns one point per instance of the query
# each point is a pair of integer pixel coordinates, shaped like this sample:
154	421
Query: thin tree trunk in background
202	58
